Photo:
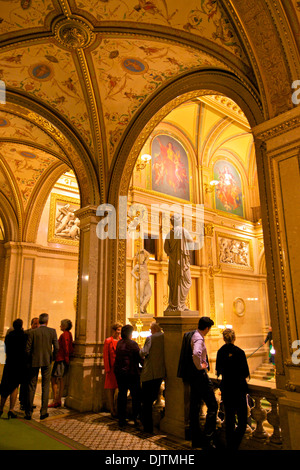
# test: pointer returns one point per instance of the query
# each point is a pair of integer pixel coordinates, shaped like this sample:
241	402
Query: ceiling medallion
74	33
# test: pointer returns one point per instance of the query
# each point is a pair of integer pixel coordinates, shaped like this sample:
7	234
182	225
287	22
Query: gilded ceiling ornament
74	33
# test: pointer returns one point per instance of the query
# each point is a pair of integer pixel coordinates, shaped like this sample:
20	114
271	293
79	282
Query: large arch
181	90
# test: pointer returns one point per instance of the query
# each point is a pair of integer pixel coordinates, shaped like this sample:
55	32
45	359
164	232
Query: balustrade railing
263	430
264	426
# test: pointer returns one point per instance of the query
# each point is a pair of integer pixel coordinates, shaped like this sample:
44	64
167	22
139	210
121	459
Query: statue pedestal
174	325
181	313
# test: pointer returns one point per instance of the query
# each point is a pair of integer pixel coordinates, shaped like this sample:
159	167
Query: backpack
186	367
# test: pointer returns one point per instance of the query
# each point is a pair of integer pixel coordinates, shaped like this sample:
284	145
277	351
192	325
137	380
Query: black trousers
150	390
131	383
235	406
201	389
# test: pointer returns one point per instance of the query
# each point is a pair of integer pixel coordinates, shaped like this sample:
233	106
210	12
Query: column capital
279	131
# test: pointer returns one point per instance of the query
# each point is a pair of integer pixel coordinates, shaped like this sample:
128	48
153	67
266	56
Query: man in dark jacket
232	364
41	349
127	372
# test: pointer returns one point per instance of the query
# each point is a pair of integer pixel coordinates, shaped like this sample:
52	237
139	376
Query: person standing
127	372
14	368
62	362
109	356
153	372
232	364
42	347
23	394
201	388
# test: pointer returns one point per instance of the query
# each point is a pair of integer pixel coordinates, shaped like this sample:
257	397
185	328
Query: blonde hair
115	326
229	335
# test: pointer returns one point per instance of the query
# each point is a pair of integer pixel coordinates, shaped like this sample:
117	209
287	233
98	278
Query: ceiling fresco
203	18
18	128
17	15
127	72
49	74
25	167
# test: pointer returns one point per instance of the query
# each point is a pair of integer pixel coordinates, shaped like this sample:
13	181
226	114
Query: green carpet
18	434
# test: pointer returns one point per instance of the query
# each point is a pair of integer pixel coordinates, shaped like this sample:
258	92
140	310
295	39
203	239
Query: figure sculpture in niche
141	274
178	244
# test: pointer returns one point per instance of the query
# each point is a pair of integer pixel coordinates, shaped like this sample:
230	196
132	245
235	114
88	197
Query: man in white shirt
202	388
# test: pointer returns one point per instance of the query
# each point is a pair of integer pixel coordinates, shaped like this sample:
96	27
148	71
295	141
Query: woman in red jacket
62	361
109	355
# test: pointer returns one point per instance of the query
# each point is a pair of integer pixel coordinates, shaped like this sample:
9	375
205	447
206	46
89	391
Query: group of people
29	353
231	364
129	368
142	370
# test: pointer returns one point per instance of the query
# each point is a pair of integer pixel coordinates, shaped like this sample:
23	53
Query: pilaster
85	391
278	151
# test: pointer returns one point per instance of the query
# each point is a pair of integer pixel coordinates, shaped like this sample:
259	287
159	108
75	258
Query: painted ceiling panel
128	72
48	73
16	128
203	18
18	15
5	187
26	166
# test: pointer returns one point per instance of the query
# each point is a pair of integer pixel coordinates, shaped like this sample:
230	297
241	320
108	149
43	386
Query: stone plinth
181	313
175	421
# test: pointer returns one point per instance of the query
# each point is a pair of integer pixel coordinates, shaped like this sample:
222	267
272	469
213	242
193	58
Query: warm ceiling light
146	157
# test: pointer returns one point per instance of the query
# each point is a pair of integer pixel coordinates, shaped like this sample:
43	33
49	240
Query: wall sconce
211	186
142	162
225	325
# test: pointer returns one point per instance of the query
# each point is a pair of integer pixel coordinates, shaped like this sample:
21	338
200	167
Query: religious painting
170	167
228	191
64	226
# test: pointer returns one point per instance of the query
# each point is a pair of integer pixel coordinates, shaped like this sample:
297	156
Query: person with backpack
193	368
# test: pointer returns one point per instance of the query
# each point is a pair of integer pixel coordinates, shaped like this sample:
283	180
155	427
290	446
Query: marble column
18	262
277	148
85	391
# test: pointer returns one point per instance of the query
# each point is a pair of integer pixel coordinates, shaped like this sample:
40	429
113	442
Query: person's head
43	319
18	324
116	330
205	324
126	332
229	335
155	328
66	325
34	323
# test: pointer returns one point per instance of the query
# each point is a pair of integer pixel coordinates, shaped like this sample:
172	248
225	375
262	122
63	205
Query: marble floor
98	431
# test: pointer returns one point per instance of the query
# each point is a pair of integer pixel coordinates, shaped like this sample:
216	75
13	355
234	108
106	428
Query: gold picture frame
63	226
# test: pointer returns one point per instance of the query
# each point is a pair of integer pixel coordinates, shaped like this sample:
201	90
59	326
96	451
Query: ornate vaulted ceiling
78	72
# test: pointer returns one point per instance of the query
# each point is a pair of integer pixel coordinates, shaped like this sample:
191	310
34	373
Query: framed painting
170	167
63	224
228	191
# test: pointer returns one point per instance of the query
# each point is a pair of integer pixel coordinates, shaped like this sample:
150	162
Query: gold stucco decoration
74	33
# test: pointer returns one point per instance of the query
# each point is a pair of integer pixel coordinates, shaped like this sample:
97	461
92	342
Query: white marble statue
177	246
141	274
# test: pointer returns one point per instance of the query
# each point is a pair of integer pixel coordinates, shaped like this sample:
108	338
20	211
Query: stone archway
184	89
